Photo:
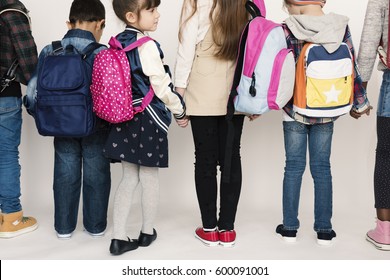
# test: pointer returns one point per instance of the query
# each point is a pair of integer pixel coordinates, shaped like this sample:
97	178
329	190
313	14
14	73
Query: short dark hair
121	7
86	10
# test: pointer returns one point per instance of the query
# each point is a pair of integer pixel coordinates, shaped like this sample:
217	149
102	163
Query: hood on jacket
327	30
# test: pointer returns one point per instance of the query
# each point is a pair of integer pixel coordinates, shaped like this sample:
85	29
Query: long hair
228	18
183	21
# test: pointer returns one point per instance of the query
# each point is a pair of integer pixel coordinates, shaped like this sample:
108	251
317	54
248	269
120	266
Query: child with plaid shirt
17	44
308	23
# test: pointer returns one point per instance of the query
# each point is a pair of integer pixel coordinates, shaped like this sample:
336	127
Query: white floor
258	214
259	210
256	240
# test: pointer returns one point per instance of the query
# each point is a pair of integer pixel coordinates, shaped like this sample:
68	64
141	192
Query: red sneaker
209	238
227	238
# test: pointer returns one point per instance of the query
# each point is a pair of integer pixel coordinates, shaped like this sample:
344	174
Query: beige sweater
375	27
209	82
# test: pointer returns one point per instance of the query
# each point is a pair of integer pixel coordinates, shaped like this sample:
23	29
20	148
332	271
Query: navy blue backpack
64	102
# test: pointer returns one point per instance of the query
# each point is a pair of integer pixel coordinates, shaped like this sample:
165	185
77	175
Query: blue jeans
80	164
297	137
10	132
384	96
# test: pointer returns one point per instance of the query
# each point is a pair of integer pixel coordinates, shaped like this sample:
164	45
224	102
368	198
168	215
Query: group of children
209	33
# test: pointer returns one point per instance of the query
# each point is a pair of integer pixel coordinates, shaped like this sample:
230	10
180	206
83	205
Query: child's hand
253	117
357	115
180	91
183	122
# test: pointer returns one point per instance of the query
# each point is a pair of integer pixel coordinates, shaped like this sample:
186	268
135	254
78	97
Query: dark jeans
80	162
209	133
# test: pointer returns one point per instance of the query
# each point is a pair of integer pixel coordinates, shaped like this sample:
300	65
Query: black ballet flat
118	247
144	240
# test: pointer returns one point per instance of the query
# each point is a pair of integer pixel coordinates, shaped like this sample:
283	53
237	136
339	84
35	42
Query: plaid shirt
17	42
360	102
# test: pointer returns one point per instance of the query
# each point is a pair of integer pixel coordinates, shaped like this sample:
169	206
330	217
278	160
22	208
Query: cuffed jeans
10	132
209	133
80	162
297	137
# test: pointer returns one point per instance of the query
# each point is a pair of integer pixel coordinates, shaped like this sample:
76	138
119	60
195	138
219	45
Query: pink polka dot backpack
111	83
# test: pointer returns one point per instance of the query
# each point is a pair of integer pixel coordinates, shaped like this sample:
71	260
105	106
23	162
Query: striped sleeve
160	80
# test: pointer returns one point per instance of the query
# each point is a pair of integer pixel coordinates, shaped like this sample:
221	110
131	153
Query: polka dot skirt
138	141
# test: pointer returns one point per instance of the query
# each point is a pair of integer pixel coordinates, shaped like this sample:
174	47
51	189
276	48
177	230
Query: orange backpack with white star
324	82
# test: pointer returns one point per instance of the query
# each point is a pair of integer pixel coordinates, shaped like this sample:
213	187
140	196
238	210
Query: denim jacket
77	38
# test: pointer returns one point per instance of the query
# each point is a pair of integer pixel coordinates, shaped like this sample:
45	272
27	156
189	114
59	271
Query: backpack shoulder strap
57	47
91	48
230	105
300	76
300	65
114	43
16	8
260	6
11	72
138	43
237	73
253	9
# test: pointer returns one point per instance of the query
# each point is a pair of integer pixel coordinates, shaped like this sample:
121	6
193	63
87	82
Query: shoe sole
287	239
207	243
323	242
95	235
227	244
116	250
19	232
379	246
64	236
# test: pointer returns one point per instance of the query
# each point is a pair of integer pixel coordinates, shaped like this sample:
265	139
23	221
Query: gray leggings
133	175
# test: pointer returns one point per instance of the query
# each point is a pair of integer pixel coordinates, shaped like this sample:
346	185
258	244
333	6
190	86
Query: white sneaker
65	236
96	235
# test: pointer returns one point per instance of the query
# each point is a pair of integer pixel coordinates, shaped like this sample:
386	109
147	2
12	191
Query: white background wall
353	149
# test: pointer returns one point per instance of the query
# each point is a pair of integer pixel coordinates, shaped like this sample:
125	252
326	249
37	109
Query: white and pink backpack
265	70
111	83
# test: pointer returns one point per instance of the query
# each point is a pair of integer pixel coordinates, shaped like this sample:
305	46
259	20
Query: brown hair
122	7
228	18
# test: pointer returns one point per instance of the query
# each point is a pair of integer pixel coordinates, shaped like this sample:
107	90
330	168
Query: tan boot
15	224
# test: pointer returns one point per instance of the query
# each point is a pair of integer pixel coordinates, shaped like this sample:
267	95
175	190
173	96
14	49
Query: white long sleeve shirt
194	31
